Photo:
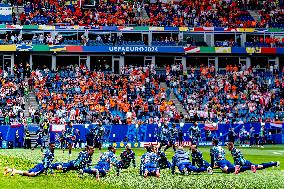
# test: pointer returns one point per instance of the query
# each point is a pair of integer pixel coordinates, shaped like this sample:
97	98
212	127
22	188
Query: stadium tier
140	62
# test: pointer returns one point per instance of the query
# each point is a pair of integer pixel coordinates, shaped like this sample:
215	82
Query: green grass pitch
26	159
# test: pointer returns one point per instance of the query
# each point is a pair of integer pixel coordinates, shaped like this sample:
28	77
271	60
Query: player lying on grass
218	159
127	156
40	168
83	160
103	166
197	158
149	163
182	161
163	162
240	161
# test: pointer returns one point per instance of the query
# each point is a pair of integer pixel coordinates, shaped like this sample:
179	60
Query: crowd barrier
137	135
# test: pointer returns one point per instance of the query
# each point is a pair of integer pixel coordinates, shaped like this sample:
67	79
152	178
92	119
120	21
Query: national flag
183	28
191	49
223	49
15	124
230	30
211	126
204	29
14	27
251	50
156	28
56	48
125	28
268	50
24	47
57	128
276	124
46	27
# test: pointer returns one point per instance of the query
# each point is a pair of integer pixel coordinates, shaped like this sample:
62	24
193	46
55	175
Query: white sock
9	170
20	172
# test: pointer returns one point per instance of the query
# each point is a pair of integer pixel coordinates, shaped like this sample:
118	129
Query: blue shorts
150	167
38	169
69	141
183	166
103	168
68	166
40	141
248	163
224	163
164	164
205	164
164	142
122	165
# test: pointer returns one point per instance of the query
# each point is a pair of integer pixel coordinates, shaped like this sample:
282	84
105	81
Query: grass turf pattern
130	178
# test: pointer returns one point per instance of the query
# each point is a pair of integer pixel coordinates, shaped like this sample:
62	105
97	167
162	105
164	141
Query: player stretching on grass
182	161
83	160
103	166
149	163
218	159
40	168
163	161
197	158
240	161
127	156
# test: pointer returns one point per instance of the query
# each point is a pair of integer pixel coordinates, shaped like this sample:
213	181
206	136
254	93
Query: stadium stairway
30	101
173	98
255	15
18	10
144	14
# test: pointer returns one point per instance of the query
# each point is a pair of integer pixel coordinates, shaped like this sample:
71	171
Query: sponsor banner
205	143
121	144
146	144
57	128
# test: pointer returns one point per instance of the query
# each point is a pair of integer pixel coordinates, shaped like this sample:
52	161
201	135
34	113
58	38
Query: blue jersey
69	132
108	157
99	133
197	159
194	132
217	154
48	157
163	161
238	157
173	132
149	160
83	160
164	134
40	135
243	132
127	158
180	157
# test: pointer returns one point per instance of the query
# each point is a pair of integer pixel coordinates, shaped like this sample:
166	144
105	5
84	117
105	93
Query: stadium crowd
240	95
211	13
74	93
12	100
132	97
